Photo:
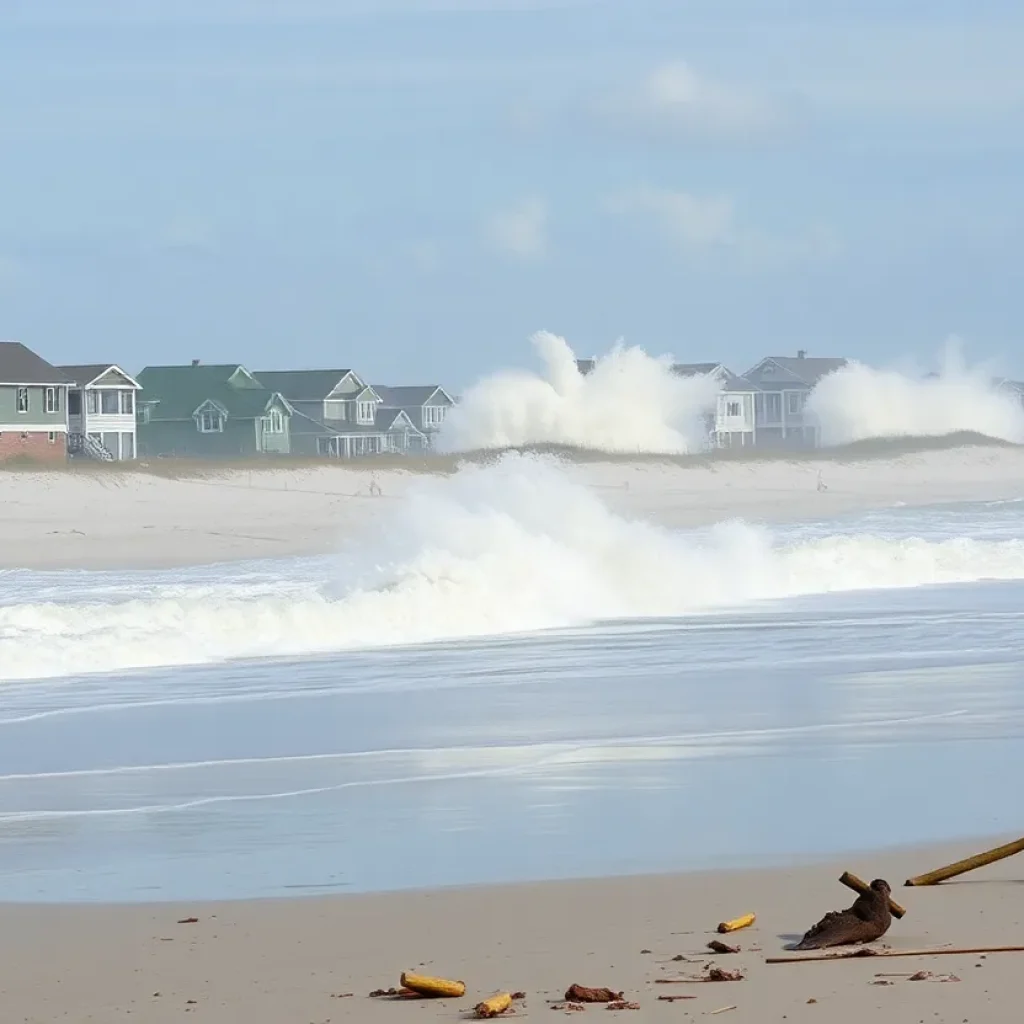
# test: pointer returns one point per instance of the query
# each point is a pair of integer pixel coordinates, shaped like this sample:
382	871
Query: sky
412	188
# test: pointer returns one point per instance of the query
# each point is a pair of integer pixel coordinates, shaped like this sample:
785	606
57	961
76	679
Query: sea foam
505	548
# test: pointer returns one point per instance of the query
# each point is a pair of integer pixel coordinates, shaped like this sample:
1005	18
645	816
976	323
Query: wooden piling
968	864
858	885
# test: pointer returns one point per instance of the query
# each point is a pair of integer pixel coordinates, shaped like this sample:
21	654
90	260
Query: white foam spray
859	402
512	547
629	402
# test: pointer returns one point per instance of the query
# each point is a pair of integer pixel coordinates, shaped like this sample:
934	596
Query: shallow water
798	726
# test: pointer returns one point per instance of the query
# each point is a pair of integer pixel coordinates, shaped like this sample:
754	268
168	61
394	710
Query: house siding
181	438
34	445
36	418
274	444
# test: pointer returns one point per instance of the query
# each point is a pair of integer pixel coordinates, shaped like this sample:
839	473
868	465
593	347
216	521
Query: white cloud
675	101
710	225
520	230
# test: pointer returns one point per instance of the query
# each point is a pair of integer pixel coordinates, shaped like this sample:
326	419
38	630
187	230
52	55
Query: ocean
506	681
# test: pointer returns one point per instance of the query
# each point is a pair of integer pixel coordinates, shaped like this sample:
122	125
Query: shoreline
131	519
316	958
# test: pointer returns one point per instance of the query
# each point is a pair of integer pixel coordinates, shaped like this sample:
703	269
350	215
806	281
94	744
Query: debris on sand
867	920
582	994
494	1006
737	923
720	947
435	988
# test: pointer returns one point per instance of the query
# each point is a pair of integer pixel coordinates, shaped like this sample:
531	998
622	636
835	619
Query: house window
51	400
109	403
22	399
52	437
795	402
433	415
733	409
211	422
773	406
92	402
274	423
127	402
364	412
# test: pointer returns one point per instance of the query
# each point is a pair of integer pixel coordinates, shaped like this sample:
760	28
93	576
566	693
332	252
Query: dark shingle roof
20	365
406	397
804	369
694	369
179	390
302	385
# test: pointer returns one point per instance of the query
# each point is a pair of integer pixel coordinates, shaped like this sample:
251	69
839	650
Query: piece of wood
967	864
437	988
858	885
494	1006
737	923
860	954
722	1009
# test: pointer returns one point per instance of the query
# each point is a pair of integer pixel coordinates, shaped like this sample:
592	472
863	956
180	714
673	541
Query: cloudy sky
413	187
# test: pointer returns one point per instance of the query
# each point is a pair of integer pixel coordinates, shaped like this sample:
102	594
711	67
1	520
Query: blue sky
413	187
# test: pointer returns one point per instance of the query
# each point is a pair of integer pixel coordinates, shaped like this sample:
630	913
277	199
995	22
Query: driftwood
967	864
867	951
583	994
858	885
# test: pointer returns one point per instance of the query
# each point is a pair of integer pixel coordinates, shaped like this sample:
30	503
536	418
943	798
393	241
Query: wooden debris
722	1009
720	947
967	864
868	951
673	999
435	988
713	974
737	923
582	994
720	974
189	920
494	1006
859	886
622	1004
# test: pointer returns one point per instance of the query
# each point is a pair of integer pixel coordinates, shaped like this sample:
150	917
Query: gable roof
85	374
696	369
304	385
408	396
801	369
20	365
176	392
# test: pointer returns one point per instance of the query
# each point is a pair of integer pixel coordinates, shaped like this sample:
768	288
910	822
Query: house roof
695	369
178	391
585	365
303	385
383	421
737	383
20	365
406	397
803	369
85	373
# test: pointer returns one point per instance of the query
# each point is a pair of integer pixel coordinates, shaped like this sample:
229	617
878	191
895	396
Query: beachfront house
782	385
210	411
33	406
339	415
731	425
425	405
101	412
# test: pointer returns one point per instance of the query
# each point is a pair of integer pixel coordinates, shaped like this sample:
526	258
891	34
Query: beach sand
108	519
296	961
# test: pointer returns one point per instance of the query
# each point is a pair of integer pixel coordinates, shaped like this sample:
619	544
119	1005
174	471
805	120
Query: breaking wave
510	547
629	402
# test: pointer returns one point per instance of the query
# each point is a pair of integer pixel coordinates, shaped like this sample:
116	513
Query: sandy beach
102	519
317	959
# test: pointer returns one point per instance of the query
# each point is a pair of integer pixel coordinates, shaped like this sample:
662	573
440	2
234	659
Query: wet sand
316	959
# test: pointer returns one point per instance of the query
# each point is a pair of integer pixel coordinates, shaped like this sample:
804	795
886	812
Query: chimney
801	353
195	362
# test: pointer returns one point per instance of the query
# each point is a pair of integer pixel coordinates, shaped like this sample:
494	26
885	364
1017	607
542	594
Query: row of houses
101	411
767	405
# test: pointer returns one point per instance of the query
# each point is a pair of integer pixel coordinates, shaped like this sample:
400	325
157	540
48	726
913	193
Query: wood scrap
961	867
494	1006
868	951
722	1009
720	947
673	999
436	988
859	886
583	994
622	1004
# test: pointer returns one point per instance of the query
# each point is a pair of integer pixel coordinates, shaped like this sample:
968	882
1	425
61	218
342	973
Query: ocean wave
512	547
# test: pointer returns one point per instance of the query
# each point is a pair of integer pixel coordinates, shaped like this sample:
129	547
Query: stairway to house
84	446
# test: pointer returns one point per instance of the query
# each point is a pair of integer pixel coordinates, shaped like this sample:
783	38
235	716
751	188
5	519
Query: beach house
101	412
210	410
33	406
732	424
425	405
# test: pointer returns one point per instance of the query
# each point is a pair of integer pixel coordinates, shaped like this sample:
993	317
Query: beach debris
673	999
867	920
928	976
967	864
720	947
722	1009
856	954
721	974
433	988
737	923
643	951
713	974
494	1006
342	995
189	920
622	1004
858	885
581	994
